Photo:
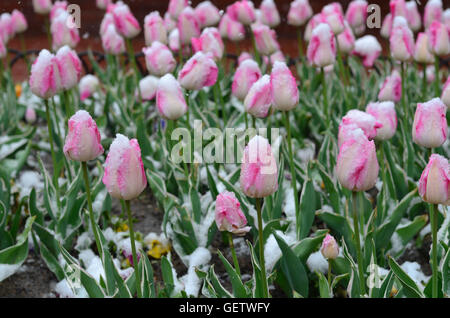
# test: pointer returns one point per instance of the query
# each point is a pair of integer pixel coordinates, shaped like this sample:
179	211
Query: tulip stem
329	275
434	264
233	253
133	249
325	99
91	212
291	162
358	243
424	82
437	79
255	49
405	108
245	120
52	151
262	263
300	43
24	51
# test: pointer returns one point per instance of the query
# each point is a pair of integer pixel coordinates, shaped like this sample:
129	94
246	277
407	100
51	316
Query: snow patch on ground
7	270
316	262
413	270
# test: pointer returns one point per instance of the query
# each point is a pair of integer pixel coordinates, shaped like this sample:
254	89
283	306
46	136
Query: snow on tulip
285	94
434	183
391	89
368	48
87	86
322	46
124	21
265	38
385	114
188	26
154	29
430	124
207	14
259	98
45	80
229	216
401	40
159	59
198	72
356	15
269	13
170	100
210	42
246	75
147	87
299	12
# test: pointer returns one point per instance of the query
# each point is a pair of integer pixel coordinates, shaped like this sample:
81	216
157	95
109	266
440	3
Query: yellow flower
157	249
18	89
122	227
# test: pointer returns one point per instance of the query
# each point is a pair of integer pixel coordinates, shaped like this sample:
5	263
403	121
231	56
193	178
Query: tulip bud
391	89
386	27
430	124
124	21
278	56
413	16
446	93
107	20
434	183
246	75
433	12
42	6
398	8
69	66
438	39
169	98
231	29
207	14
384	113
30	115
103	4
176	7
430	74
62	34
154	29
169	23
210	42
19	23
401	40
159	59
329	249
45	80
356	15
242	11
88	85
259	171
311	25
284	88
269	13
124	171
299	12
368	48
358	119
198	72
174	40
112	42
83	139
346	40
244	56
229	216
259	98
265	38
421	52
57	8
322	46
357	166
148	86
334	16
6	27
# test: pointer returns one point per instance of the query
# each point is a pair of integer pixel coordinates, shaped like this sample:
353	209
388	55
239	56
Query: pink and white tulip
242	11
42	6
45	80
434	183
356	15
259	98
198	72
386	27
329	248
210	42
89	84
446	18
368	48
284	88
124	21
6	27
169	23
322	46
231	29
357	165
69	66
174	40
176	7
438	39
384	113
112	42
312	24
446	93
346	40
259	171
355	119
107	20
188	26
244	56
124	176
154	29
265	38
19	23
170	100
269	13
421	52
246	75
30	115
147	87
207	14
430	124
299	12
229	216
413	16
62	34
83	139
159	59
433	12
57	8
334	15
401	40
398	8
391	89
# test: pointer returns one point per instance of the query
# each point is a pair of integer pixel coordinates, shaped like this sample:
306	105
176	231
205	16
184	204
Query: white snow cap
399	21
367	45
316	262
323	31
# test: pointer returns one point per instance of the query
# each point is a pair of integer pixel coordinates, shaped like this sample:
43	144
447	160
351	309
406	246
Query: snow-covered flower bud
159	59
434	183
401	40
170	100
322	46
198	72
284	88
430	124
246	75
209	42
259	98
358	119
433	12
269	13
265	38
229	216
175	8
368	48
384	113
147	87
124	21
413	16
391	89
154	29
231	29
45	80
42	6
69	66
438	39
188	26
334	16
207	14
112	42
356	15
421	52
346	40
329	248
62	34
19	23
88	85
242	11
